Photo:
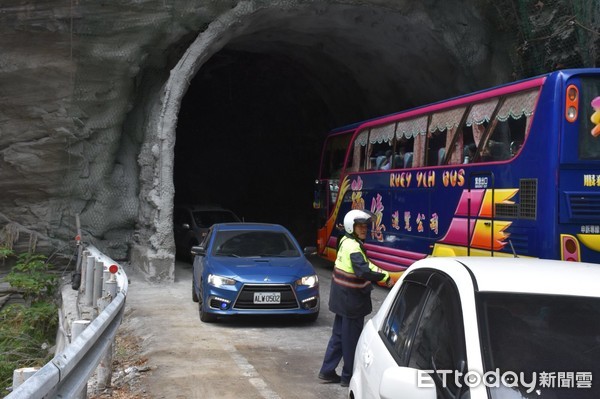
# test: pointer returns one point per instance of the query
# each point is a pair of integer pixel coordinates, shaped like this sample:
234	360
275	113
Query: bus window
373	149
359	152
382	139
509	130
473	129
497	148
464	146
403	153
505	134
410	136
442	129
589	146
381	156
506	139
333	157
436	148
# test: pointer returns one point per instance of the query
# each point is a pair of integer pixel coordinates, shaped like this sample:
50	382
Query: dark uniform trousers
342	344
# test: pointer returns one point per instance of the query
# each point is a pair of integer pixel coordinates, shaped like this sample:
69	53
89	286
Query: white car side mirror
406	383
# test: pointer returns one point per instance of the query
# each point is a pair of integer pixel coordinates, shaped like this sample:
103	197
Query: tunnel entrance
249	138
242	115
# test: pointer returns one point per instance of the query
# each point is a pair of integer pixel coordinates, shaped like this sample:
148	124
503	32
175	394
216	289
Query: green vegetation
26	329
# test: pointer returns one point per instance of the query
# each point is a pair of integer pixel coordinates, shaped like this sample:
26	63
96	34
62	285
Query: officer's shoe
330	377
344	383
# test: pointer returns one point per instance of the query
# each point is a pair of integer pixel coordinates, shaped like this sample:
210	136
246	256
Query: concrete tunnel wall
363	59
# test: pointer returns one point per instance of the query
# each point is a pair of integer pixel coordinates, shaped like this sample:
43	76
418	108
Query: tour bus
509	171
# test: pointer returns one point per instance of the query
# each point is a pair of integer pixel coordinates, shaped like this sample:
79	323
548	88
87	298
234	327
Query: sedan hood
278	270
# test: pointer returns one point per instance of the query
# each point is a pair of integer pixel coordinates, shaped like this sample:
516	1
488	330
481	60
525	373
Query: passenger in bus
408	160
486	153
441	155
380	159
386	164
469	153
398	161
495	151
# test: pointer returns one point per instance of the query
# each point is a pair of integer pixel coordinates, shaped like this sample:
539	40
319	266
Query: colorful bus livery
509	171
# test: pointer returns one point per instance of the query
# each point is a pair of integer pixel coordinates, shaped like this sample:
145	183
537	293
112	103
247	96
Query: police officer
350	297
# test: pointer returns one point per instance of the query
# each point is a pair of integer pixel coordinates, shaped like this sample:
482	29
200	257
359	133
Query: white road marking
249	371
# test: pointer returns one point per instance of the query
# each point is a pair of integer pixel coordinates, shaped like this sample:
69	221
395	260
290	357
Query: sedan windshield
553	340
254	244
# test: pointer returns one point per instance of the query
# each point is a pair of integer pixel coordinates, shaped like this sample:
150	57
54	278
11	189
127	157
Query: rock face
91	93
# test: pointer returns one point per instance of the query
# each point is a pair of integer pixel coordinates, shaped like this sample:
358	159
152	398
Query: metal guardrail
67	374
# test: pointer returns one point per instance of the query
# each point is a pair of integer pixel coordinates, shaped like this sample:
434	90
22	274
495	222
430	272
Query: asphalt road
233	358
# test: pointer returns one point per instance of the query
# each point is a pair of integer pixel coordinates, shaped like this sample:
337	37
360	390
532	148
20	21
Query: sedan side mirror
310	251
198	250
404	382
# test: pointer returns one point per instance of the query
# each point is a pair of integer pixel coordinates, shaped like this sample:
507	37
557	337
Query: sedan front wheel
194	295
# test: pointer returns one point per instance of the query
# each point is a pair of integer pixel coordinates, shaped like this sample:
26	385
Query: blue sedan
253	268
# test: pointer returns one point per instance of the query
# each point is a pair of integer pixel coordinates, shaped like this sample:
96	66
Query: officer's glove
389	282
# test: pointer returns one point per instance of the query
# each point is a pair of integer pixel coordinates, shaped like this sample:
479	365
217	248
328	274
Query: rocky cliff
91	91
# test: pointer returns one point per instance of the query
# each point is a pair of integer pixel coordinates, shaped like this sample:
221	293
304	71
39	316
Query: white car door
383	346
438	342
421	330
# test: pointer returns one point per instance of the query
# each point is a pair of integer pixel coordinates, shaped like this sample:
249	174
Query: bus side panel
423	212
578	188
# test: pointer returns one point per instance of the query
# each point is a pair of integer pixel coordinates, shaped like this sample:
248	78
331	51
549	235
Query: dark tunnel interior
249	138
255	116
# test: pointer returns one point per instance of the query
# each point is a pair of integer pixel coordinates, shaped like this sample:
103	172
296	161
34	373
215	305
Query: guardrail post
104	370
21	375
98	271
111	288
105	276
89	281
76	329
84	258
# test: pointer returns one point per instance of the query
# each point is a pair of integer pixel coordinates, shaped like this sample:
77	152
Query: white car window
400	326
528	334
439	342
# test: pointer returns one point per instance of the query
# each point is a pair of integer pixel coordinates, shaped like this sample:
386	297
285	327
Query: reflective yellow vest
343	263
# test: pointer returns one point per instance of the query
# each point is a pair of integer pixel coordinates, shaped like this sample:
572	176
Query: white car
498	328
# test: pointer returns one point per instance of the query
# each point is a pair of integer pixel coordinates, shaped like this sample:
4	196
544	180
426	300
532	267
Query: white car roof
523	275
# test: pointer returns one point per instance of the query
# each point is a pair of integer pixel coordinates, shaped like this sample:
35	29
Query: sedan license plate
267	297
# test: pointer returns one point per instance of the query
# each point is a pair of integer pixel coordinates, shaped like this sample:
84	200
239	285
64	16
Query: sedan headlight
309	281
219	281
